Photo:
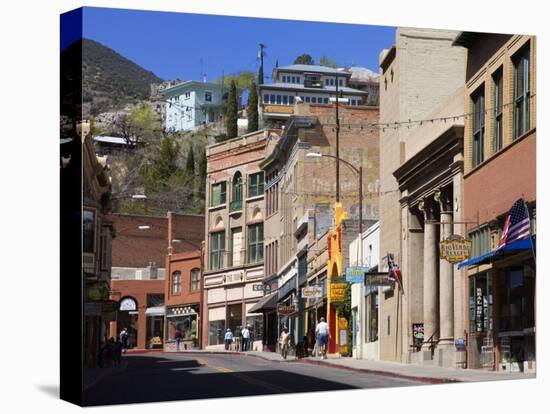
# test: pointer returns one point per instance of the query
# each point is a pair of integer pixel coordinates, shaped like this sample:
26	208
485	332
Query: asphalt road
169	377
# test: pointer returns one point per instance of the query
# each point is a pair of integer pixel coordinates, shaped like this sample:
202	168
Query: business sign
418	334
356	274
286	309
261	287
128	304
312	292
92	309
337	291
109	306
455	249
378	279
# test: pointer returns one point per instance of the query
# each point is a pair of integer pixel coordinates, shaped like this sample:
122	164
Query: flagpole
530	233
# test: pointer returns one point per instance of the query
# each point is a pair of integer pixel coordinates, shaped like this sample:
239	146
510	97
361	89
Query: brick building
499	169
138	272
234	252
299	195
419	76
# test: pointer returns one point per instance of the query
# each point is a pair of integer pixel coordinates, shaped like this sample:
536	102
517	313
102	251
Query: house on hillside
191	104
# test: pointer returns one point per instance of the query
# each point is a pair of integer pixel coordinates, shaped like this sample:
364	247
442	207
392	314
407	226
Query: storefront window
256	324
186	324
480	303
154	336
216	331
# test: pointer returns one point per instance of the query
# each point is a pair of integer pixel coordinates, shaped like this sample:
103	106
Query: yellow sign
455	249
280	109
337	292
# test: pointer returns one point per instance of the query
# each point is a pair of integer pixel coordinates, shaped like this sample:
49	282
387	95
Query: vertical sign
479	310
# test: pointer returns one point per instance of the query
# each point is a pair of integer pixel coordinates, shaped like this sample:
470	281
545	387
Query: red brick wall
138	289
183	263
492	189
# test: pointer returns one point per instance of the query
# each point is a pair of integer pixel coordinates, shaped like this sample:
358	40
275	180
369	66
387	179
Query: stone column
446	302
430	311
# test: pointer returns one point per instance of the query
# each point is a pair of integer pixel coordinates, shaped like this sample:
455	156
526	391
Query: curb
426	380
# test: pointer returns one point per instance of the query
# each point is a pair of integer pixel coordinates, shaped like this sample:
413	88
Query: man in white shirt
245	333
323	335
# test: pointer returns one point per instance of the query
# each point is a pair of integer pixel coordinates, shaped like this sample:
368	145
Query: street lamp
358	171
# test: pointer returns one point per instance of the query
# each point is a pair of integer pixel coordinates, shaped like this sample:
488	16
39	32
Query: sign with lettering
337	291
261	287
128	304
285	309
312	292
418	334
378	279
455	249
356	274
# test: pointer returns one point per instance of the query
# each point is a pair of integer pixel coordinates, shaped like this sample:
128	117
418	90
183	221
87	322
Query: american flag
517	225
394	272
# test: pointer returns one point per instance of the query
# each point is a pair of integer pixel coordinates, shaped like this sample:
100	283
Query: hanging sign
337	291
356	274
312	292
285	309
378	279
455	249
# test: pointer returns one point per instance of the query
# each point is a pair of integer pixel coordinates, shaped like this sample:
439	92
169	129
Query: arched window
176	282
195	279
237	192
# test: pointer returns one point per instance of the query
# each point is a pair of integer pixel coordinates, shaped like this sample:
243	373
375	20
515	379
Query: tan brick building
418	74
499	169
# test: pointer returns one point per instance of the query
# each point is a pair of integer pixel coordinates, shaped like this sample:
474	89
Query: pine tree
253	108
231	112
190	165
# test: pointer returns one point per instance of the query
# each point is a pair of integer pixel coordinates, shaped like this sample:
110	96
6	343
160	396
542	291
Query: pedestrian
123	336
117	353
245	333
178	337
228	339
323	336
283	340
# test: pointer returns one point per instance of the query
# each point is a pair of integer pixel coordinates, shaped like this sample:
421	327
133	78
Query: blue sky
173	44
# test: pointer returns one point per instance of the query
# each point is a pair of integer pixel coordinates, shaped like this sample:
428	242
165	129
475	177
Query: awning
155	311
523	244
265	304
482	259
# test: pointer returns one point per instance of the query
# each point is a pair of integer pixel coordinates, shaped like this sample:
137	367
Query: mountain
109	81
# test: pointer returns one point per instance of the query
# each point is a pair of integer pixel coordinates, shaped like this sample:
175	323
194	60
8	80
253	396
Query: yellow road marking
222	369
201	361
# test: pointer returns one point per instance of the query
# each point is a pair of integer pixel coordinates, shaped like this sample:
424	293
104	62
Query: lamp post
358	171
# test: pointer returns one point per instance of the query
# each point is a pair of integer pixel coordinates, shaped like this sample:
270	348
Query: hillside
109	81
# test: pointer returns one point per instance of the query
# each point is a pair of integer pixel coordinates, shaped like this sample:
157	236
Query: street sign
285	309
356	274
312	292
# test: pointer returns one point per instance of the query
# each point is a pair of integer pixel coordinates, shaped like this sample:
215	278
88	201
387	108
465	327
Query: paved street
166	377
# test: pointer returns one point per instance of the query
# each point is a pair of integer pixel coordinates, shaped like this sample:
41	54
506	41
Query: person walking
283	341
228	339
323	336
123	336
245	333
178	337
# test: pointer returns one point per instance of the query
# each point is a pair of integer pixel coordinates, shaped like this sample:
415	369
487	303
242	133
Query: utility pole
337	147
261	70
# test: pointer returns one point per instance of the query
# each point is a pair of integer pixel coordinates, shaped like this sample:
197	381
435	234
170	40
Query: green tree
231	112
304	59
242	79
202	174
162	165
325	61
190	165
253	108
143	124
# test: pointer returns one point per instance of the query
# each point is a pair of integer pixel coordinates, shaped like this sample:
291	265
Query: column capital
443	197
427	206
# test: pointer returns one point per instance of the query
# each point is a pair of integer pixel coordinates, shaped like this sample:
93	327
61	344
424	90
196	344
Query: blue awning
482	259
522	244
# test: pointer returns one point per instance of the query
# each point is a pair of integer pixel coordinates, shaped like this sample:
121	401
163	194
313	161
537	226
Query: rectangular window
497	113
208	96
478	126
284	79
279	98
217	248
522	92
302	98
255	184
266	98
218	194
88	231
326	82
308	99
195	280
313	99
176	282
285	100
298	79
331	82
291	100
255	243
272	100
293	79
187	95
340	82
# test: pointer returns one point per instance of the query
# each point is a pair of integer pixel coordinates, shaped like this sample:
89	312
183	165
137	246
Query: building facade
234	237
191	104
418	74
308	83
499	169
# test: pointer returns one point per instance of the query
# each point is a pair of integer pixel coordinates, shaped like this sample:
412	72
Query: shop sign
378	279
455	249
356	274
479	310
261	287
418	334
312	292
285	309
338	279
92	309
128	304
110	306
337	292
